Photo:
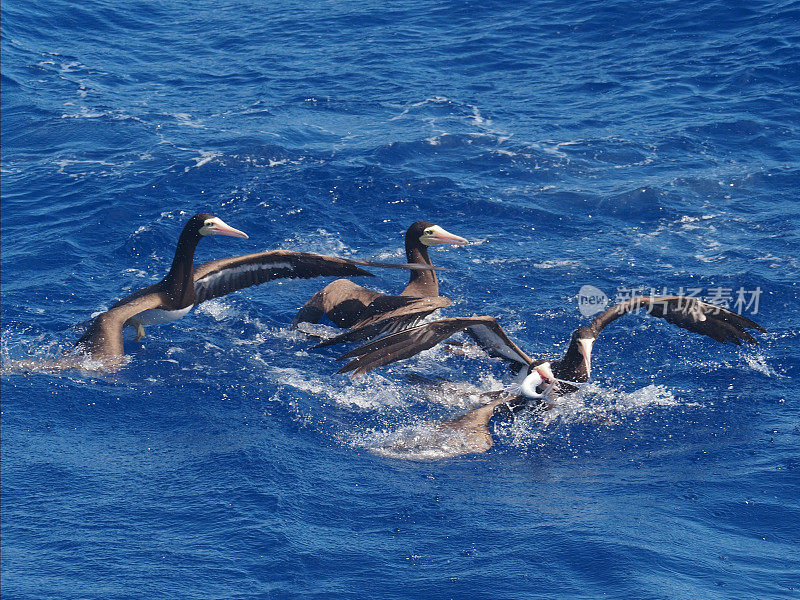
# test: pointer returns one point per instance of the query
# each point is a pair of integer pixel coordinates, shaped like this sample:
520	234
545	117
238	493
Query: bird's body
348	305
157	316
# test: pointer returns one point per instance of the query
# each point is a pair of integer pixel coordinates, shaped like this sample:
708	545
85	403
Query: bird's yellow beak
217	226
436	235
586	351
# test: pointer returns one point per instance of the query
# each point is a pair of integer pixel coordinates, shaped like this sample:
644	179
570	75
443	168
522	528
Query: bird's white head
216	226
433	234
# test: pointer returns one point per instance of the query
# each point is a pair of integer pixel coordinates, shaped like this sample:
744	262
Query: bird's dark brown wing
386	320
219	277
103	338
495	341
398	266
714	321
410	342
388	305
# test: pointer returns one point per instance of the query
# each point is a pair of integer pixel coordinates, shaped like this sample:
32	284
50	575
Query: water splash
758	363
420	441
434	440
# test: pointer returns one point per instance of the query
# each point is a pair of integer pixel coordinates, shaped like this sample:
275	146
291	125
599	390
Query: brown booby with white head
185	285
369	313
556	377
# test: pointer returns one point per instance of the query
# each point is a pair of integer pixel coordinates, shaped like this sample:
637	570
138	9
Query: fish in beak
530	385
541	375
546	373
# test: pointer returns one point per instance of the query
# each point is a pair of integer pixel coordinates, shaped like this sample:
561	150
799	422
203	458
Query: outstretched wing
495	341
400	266
409	342
103	339
714	321
386	320
219	277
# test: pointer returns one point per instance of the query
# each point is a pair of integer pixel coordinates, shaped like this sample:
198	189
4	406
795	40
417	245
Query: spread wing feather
688	313
409	342
103	338
493	338
219	277
409	312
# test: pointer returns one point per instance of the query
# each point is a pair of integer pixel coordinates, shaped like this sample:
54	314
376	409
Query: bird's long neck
178	282
421	283
572	367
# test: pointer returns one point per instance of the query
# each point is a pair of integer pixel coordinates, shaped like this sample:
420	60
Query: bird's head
582	339
208	224
429	234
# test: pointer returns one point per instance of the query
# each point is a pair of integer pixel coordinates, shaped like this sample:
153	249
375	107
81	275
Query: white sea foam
419	441
428	440
477	118
268	163
87	113
391	254
370	393
595	402
137	272
553	148
323	242
758	363
65	167
433	100
40	354
463	395
318	330
593	405
186	120
499	261
264	333
84	113
71	66
217	309
556	264
206	156
458	114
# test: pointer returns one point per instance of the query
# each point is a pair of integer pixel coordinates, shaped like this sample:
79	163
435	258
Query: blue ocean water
614	144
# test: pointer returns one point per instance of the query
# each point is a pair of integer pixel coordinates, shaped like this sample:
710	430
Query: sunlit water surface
614	144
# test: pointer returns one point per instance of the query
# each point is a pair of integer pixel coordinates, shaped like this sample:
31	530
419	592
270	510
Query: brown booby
688	313
369	313
542	377
185	285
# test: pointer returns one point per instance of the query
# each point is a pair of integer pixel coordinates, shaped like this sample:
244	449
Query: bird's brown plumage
472	428
369	313
185	286
694	315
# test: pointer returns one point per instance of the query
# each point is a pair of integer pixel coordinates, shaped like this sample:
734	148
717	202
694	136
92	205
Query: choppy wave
617	145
